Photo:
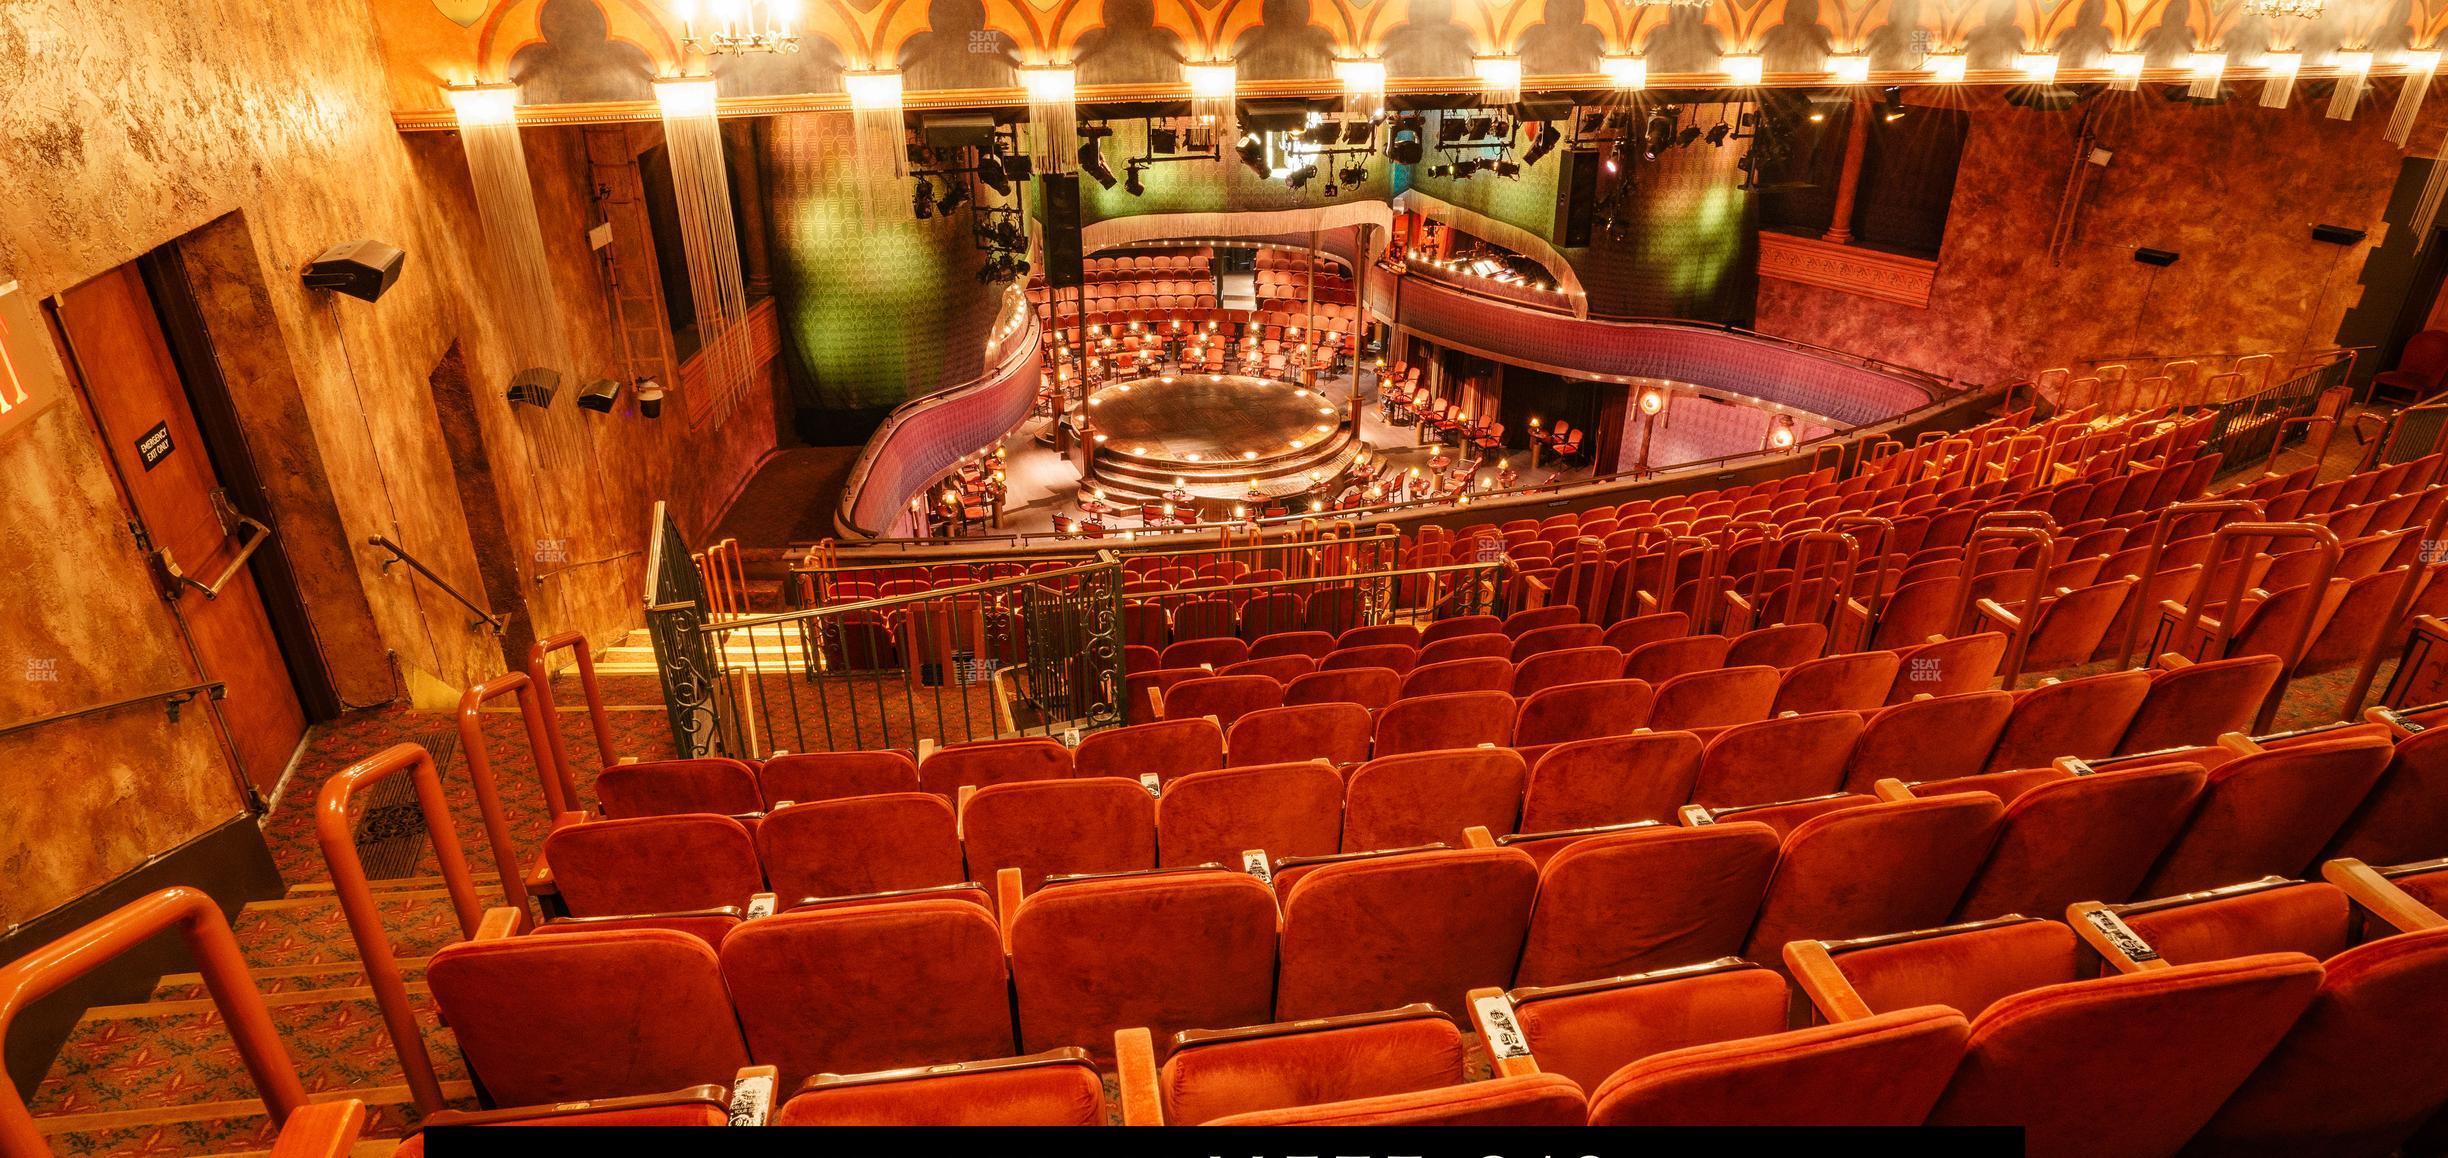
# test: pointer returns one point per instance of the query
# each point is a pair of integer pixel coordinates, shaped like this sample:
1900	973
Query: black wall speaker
1576	197
360	269
2158	257
1062	230
2338	234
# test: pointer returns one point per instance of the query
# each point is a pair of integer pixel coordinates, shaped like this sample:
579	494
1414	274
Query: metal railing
823	577
2246	429
400	554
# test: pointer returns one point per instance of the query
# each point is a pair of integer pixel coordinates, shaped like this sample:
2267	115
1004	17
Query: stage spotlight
1322	133
990	170
1689	134
1132	181
1657	136
1299	178
1405	148
1092	162
1508	169
1449	129
1482	128
1163	141
1440	170
1463	169
1718	133
1542	144
1891	106
955	194
1358	133
1354	174
1020	168
922	199
1253	154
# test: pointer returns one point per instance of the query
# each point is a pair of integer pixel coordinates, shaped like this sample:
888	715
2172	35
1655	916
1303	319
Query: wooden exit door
201	544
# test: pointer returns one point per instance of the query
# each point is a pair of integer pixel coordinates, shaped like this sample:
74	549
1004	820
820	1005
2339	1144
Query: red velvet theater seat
1486	674
1557	637
1099	825
1214	1074
707	925
870	987
1168	748
1616	905
653	864
949	770
1394	657
1628	634
1714	699
1227	698
1574	666
861	844
1875	869
707	1105
1423	797
1430	723
2405	816
1058	1087
1610	780
1400	633
1879	1071
667	787
1781	647
1335	732
1381	932
1590	1029
1460	625
1967	967
1280	668
1168	951
1581	711
1931	739
1489	646
1289	809
1949	667
1858	682
2269	812
1209	652
587	1015
1314	644
1780	759
1664	659
1523	622
808	776
1528	1100
2087	838
2193	704
2083	718
1370	687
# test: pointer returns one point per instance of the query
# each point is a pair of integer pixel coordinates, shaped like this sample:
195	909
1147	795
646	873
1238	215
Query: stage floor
1209	419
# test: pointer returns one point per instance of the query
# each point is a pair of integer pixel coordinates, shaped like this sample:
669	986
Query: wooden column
1857	141
742	151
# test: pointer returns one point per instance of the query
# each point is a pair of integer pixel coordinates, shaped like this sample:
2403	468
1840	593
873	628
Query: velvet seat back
1880	868
1967	971
1610	780
1370	687
1664	659
1626	903
2312	918
1288	809
1425	797
2083	718
1628	634
870	987
587	1015
1777	759
808	776
2086	838
1458	720
1604	706
1880	1071
2271	812
1783	646
1201	1083
653	864
1168	748
1521	623
1314	644
1714	699
1558	637
1483	674
2128	1065
1929	739
1227	698
1460	625
1210	653
1587	1032
1283	669
2405	816
993	762
1334	732
862	844
2070	627
1388	931
1916	611
670	787
1060	1094
2195	705
1401	633
1093	825
1169	951
1857	682
1949	667
1564	667
1526	1100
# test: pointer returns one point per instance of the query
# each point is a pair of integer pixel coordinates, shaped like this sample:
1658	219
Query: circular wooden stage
1225	434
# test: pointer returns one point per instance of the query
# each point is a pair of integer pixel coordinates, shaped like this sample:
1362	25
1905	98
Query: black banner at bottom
1227	1142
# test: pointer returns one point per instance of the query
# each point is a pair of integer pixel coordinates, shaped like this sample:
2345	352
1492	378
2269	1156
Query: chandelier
2301	9
734	27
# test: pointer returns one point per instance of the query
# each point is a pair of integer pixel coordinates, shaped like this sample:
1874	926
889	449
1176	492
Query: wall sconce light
1745	71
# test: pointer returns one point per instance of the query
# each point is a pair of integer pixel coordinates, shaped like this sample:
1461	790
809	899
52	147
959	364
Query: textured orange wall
2233	188
132	123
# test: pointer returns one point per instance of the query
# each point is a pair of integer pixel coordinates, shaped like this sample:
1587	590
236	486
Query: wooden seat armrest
321	1130
1007	901
926	748
1890	788
1992	609
2109	936
1156	702
1814	971
1500	1033
1477	836
2380	896
754	1090
628	760
500	924
2239	743
1136	1076
2171	661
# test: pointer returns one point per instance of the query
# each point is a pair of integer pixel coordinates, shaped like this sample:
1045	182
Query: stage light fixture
1463	169
1020	168
1253	154
1133	181
1299	178
1689	134
922	199
1405	148
1508	168
1440	170
1891	105
1657	135
1542	144
1354	174
1163	141
1449	128
1718	133
990	170
955	194
1481	128
1358	133
1092	162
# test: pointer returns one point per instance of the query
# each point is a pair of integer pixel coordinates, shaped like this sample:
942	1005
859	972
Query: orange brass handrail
2323	540
542	677
2433	528
1843	558
2158	547
357	901
209	941
543	745
2044	559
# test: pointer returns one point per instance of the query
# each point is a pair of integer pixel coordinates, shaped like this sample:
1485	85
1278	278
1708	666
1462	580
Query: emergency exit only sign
29	380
